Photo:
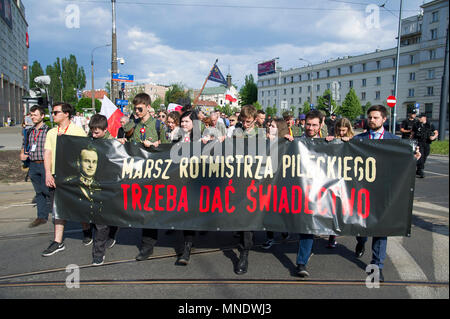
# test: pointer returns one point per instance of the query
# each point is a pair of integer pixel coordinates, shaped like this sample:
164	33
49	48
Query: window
309	76
300	89
300	77
328	73
299	100
364	67
377	95
394	60
412	76
435	16
339	71
351	68
363	96
292	90
410	92
275	102
429	110
292	79
318	88
350	83
433	34
431	74
429	90
432	54
363	82
309	88
292	101
411	59
284	91
262	93
275	92
378	65
318	74
284	80
393	77
378	80
328	86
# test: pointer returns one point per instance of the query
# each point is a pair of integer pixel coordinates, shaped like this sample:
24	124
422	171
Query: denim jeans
37	175
379	245
304	248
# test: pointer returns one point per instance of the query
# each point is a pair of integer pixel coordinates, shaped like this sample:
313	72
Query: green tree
249	92
35	70
55	87
86	103
323	102
351	107
227	109
174	93
271	111
257	105
73	78
306	107
156	104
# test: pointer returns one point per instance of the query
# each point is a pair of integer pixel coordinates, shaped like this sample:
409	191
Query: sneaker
268	244
87	240
301	271
110	243
53	249
97	261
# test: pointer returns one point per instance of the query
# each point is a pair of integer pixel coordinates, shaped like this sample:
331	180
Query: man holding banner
145	132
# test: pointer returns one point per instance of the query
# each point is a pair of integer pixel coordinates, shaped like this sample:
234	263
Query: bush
439	147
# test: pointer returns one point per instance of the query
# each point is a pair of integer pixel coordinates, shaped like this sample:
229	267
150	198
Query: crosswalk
409	269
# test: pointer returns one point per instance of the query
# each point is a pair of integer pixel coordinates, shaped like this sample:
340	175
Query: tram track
143	282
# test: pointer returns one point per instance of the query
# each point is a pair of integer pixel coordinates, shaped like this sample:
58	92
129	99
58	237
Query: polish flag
113	114
229	96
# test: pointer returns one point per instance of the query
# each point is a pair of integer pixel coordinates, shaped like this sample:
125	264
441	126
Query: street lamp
92	66
312	76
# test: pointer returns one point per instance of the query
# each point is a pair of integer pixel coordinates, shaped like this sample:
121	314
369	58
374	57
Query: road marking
431	206
409	270
446	175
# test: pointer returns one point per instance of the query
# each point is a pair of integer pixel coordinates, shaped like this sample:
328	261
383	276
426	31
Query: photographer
424	133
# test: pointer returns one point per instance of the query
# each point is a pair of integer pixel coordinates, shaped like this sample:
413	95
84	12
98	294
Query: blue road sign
121	102
122	77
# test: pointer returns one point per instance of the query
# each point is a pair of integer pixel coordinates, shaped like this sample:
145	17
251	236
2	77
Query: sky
176	41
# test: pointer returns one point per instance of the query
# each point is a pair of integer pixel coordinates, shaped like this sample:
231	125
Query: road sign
391	101
122	77
121	102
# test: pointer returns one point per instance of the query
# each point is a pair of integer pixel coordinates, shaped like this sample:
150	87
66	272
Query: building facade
372	75
13	60
154	90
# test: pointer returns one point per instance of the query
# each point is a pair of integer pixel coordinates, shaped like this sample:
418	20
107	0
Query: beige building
372	75
154	90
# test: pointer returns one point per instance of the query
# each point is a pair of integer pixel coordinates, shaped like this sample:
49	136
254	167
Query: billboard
5	12
267	67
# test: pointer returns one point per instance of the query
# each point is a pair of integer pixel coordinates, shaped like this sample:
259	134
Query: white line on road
409	270
436	173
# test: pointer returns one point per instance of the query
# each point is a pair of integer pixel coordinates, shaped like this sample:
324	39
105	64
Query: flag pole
206	80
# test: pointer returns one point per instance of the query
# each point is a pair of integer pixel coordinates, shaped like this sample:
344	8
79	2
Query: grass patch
439	147
11	167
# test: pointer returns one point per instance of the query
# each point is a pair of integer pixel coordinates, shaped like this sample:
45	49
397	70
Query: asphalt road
416	267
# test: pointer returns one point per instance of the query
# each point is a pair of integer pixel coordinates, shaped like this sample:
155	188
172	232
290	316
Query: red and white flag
113	114
229	96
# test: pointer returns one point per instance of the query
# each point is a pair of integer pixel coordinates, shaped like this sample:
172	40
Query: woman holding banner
187	133
277	129
342	129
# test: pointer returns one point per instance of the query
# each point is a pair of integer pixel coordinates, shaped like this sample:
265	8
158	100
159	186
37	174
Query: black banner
361	187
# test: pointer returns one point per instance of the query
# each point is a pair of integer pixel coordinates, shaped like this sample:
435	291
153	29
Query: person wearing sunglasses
145	132
62	113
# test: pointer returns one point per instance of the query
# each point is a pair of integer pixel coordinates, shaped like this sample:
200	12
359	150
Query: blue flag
216	75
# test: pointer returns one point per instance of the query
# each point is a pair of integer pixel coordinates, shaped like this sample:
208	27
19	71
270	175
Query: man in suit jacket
376	116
